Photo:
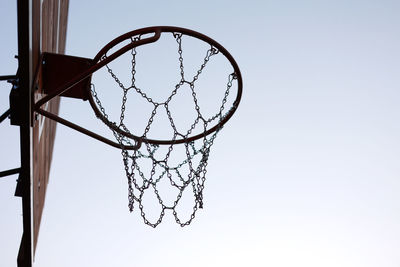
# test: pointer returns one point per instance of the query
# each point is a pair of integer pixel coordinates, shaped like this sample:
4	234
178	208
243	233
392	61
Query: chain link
138	180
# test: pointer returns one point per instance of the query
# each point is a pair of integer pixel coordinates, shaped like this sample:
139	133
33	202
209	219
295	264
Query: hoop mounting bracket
55	69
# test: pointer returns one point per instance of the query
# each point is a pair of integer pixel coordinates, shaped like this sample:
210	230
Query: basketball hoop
148	160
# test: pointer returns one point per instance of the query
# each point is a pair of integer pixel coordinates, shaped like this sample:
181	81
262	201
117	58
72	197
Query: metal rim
157	32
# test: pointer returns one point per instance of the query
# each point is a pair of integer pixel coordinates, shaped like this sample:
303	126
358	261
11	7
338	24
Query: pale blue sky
305	174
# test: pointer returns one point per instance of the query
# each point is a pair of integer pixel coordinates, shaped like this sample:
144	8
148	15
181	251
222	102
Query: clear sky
305	174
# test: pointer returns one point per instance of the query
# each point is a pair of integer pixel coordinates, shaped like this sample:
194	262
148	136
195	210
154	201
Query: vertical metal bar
23	18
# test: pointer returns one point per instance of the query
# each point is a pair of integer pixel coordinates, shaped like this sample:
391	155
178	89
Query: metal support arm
8	77
10	172
86	132
5	115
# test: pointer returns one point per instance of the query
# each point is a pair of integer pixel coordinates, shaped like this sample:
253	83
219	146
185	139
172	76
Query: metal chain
138	180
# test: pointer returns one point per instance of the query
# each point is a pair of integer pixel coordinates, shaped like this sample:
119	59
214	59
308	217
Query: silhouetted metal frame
101	59
23	190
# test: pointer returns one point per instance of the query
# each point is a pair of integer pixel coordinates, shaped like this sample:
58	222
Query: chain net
151	165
